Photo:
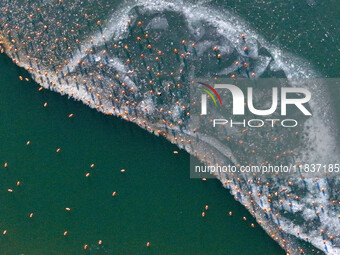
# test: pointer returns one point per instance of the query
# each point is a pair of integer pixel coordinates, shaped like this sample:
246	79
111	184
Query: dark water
156	200
306	28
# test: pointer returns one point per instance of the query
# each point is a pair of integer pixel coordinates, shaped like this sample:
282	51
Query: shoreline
288	243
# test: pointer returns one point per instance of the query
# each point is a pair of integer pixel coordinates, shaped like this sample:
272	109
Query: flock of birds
147	66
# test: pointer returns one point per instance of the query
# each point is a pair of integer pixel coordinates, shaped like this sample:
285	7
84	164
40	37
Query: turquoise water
155	200
306	28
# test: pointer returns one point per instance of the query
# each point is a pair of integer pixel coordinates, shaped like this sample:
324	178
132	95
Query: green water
307	28
156	200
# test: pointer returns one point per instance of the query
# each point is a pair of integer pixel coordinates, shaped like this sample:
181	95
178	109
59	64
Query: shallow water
313	37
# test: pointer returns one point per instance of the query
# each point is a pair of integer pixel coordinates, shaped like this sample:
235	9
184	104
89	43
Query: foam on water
92	86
